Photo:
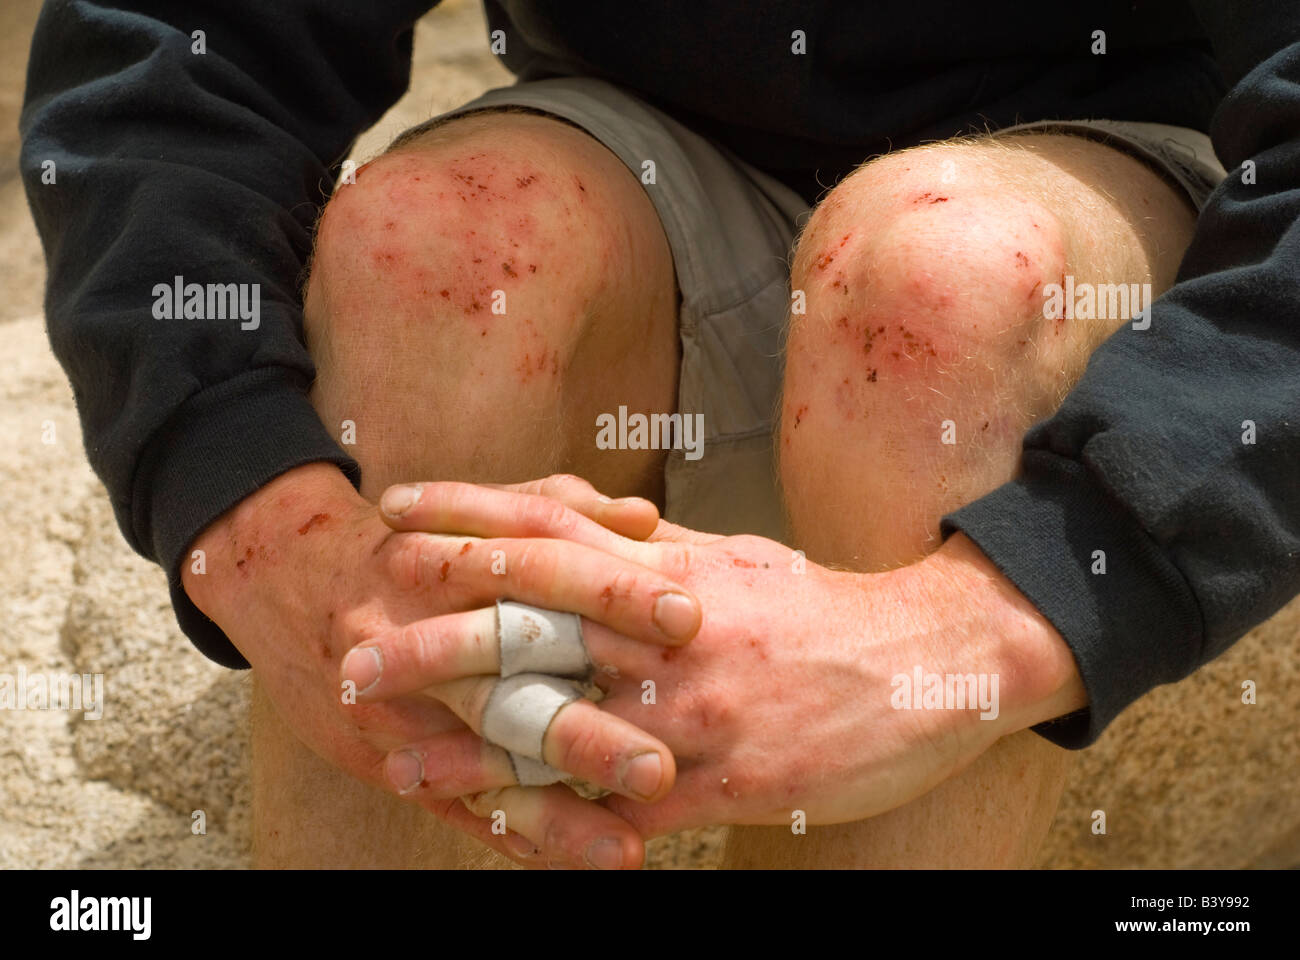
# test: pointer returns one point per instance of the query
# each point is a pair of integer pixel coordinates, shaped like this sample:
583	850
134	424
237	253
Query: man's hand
306	569
786	700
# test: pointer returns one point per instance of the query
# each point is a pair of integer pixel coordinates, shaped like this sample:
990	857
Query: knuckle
449	498
546	516
561	835
621	586
675	561
533	566
712	712
558	483
747	543
409	560
579	743
358	626
422	643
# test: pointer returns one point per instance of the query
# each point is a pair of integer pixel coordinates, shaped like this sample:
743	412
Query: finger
554	574
580	739
632	517
390	724
461	763
448	765
479	510
632	599
513	846
501	640
423	653
665	532
568	830
620	664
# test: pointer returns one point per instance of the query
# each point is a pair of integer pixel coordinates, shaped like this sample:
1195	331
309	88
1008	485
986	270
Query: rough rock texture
117	791
1188	777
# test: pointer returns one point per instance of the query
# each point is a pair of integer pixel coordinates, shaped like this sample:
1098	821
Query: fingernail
604	854
397	500
521	845
405	770
557	865
361	669
643	775
675	615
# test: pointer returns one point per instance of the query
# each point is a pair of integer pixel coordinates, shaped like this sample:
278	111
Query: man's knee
924	352
499	228
928	264
502	262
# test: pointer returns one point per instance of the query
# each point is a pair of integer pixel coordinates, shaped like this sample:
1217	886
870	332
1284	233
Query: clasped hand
741	684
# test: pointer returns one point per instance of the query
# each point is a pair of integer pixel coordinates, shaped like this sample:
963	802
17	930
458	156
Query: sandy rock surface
1190	776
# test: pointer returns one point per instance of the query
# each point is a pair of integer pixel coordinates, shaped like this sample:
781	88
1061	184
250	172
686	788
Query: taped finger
535	640
520	709
553	734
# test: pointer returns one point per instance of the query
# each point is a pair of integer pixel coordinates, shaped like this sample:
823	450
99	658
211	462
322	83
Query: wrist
257	530
1038	677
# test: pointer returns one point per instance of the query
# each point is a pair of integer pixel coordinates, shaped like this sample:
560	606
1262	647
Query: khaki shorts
731	229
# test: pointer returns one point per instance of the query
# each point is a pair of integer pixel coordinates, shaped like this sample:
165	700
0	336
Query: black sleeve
1146	459
211	166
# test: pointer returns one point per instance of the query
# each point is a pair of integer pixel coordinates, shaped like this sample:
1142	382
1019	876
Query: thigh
994	814
308	814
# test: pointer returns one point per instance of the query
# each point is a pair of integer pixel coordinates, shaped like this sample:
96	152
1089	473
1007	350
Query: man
608	239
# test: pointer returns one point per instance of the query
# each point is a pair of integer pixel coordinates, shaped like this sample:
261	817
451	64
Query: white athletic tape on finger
520	708
535	640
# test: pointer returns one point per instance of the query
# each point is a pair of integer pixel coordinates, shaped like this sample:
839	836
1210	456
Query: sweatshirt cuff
222	445
1131	628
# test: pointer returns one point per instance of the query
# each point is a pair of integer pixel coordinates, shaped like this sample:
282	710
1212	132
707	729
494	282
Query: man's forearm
183	415
250	537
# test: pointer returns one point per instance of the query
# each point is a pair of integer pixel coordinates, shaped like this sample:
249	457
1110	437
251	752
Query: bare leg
924	274
506	209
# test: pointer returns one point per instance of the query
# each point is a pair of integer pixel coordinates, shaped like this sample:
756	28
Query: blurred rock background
1190	776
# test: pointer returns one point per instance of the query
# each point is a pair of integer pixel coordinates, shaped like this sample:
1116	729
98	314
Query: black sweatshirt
213	167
